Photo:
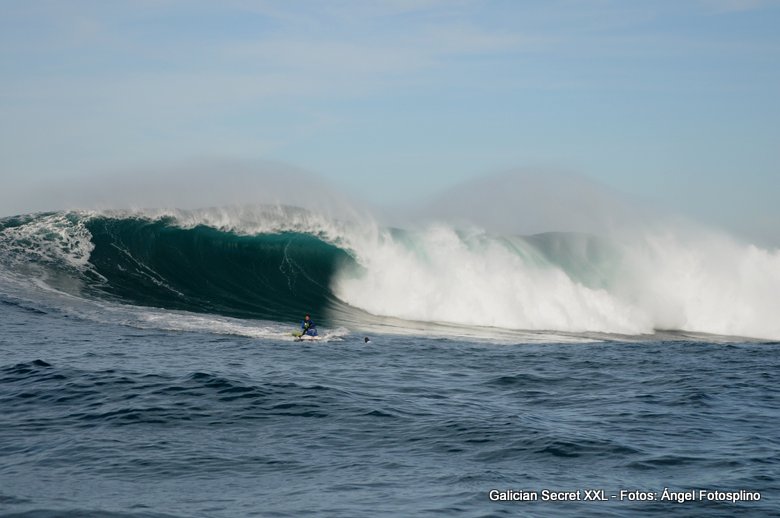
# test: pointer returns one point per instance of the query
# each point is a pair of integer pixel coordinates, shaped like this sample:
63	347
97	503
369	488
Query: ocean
148	369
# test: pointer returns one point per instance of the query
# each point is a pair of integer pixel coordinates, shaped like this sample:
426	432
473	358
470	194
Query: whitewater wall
657	280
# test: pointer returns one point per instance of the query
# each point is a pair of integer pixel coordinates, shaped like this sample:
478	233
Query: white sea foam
440	275
661	280
184	321
707	283
58	237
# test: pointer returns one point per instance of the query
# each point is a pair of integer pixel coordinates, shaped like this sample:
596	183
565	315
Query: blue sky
674	101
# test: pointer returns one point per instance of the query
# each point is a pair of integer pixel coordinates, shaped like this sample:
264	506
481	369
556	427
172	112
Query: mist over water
201	184
525	202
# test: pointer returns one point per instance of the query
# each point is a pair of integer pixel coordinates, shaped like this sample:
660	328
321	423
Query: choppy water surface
98	419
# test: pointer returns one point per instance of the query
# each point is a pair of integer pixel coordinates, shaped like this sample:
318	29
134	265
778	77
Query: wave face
157	262
275	263
271	276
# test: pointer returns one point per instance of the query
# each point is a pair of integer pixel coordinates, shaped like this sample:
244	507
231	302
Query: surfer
308	327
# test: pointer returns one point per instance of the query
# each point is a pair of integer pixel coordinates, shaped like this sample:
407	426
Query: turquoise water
147	369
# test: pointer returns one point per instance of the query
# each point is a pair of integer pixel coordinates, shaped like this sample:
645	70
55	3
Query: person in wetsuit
308	327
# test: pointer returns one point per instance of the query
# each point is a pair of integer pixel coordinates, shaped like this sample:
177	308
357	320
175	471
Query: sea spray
441	275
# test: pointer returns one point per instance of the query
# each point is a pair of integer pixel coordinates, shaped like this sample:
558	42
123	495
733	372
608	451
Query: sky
673	102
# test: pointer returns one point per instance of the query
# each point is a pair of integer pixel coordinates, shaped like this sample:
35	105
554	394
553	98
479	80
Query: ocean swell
274	263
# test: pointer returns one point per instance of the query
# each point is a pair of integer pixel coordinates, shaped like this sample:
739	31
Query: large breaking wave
274	263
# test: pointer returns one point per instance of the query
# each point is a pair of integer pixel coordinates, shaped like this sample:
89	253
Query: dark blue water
108	420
